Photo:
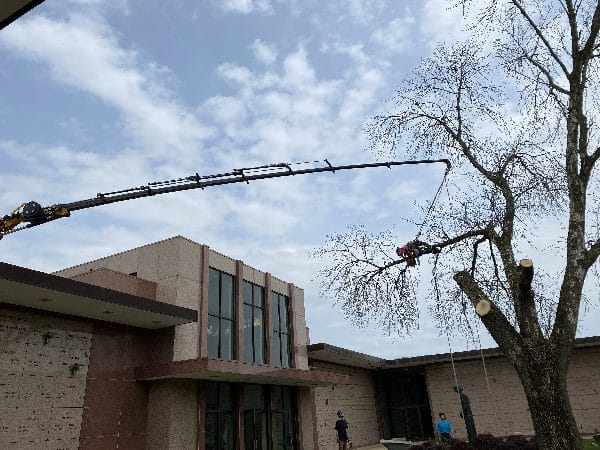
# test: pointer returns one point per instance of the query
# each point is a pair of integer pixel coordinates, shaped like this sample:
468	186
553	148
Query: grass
588	444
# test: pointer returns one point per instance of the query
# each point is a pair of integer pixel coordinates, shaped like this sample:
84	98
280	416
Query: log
526	263
483	307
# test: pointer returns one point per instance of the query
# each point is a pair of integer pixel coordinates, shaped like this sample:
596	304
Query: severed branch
525	304
495	321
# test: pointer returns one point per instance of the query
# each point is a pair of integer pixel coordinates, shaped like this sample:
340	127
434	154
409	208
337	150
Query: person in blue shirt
341	426
443	427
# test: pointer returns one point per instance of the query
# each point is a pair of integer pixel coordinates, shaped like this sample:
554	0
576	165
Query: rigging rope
435	197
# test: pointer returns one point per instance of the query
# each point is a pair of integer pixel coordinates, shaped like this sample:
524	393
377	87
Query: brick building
175	346
404	396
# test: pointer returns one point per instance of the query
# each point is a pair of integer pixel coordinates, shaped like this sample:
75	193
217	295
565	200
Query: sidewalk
370	447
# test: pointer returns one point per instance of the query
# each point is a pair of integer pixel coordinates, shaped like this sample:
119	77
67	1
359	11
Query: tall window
284	418
221	314
220	424
254	319
280	353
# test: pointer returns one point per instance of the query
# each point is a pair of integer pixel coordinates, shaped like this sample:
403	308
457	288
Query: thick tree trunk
550	408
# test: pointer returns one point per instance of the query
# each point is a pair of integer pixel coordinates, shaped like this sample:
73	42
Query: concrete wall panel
41	395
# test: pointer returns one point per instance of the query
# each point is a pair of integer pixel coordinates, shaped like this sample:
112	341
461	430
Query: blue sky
100	95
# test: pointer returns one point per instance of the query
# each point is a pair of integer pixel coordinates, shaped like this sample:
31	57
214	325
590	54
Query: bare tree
514	108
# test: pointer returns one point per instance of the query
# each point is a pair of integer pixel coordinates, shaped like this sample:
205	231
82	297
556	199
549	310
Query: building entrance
268	419
255	418
405	404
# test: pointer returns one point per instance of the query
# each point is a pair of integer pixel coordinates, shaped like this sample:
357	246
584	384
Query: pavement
370	447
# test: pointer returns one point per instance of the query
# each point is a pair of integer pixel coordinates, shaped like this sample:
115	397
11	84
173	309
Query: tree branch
525	305
539	33
588	48
495	321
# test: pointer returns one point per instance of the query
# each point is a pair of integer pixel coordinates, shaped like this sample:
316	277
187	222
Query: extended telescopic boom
31	214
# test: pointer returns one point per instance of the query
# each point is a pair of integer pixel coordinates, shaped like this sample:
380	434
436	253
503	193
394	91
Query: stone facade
44	363
357	400
502	410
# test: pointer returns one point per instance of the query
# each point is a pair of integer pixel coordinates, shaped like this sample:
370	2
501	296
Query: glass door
284	418
255	418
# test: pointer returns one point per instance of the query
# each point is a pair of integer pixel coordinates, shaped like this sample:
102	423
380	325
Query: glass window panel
213	337
286	394
225	401
226	432
247	292
283	313
226	296
285	351
212	396
213	292
249	430
248	334
275	311
279	429
276	350
258	295
254	397
259	336
211	430
226	339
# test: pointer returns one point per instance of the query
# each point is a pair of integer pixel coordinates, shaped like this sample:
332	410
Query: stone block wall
502	410
172	415
43	368
175	266
357	400
584	389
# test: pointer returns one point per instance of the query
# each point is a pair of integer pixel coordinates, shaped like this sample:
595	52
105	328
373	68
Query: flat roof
239	371
30	288
11	10
339	355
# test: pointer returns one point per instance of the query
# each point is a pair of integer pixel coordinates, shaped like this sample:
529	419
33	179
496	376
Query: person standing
443	427
467	413
341	426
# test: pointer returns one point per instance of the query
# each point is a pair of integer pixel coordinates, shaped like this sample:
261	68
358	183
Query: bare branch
543	38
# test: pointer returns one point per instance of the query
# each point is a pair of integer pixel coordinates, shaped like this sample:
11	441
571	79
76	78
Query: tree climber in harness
411	251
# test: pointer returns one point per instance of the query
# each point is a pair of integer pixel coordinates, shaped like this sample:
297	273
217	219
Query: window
256	431
284	418
280	353
254	319
221	314
220	424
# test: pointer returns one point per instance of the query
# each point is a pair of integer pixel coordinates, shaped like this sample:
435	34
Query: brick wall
357	400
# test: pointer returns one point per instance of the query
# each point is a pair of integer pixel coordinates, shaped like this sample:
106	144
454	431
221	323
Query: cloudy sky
99	95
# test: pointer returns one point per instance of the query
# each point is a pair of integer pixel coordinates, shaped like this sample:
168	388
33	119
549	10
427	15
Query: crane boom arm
31	214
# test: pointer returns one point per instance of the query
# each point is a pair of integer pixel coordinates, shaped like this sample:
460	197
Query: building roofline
12	10
31	288
339	355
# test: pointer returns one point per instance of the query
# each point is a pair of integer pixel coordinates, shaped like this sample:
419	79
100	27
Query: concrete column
268	318
239	311
203	304
172	415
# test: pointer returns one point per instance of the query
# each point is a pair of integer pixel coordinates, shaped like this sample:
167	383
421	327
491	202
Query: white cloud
297	70
362	11
397	36
354	51
85	54
247	6
441	21
264	53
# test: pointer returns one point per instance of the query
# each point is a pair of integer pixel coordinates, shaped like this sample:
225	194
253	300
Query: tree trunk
550	408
